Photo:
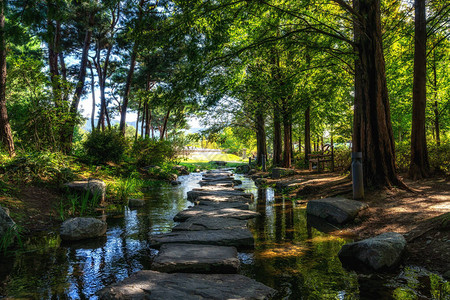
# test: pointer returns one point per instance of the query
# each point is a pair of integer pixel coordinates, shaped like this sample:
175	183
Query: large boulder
282	172
6	223
82	228
381	252
186	258
148	284
335	210
92	186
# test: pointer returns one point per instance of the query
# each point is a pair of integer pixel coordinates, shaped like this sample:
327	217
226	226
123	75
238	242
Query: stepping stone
216	183
239	238
221	199
205	259
219	205
148	284
237	182
336	210
381	252
210	223
217	178
210	211
195	193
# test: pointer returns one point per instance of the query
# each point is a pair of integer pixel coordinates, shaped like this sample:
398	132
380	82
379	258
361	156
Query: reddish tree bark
372	131
5	129
261	145
307	133
277	143
419	166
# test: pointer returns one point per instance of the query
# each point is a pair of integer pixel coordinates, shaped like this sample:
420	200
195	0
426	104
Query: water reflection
292	254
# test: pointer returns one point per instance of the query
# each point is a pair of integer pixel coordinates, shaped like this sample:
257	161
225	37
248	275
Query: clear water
290	255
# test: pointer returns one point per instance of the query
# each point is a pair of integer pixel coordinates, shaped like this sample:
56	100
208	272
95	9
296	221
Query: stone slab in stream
217	183
205	259
221	198
219	205
210	223
211	211
335	210
148	284
381	252
195	193
239	238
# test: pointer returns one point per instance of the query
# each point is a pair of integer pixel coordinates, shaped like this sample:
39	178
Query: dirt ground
423	216
34	208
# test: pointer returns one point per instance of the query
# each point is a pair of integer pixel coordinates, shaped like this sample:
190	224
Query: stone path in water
199	258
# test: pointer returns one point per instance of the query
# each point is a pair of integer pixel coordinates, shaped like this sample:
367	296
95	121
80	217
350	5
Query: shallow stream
291	255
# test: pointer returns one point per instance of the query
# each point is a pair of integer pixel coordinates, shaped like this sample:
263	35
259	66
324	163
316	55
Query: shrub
105	146
38	167
342	158
438	156
150	152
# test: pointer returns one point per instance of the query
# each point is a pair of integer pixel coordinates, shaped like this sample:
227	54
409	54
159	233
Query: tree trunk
435	105
299	144
372	132
277	143
287	155
5	128
68	130
137	120
261	148
126	93
419	166
307	133
164	127
93	97
53	32
144	118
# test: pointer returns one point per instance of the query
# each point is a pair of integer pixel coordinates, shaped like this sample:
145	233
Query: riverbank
422	216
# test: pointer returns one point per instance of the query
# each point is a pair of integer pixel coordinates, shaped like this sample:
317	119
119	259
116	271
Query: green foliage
11	236
342	158
105	146
78	205
439	156
125	188
151	152
38	167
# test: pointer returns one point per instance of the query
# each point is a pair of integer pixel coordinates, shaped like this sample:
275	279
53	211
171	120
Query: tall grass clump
10	236
77	205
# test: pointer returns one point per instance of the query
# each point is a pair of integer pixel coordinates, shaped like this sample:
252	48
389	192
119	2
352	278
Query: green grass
206	157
